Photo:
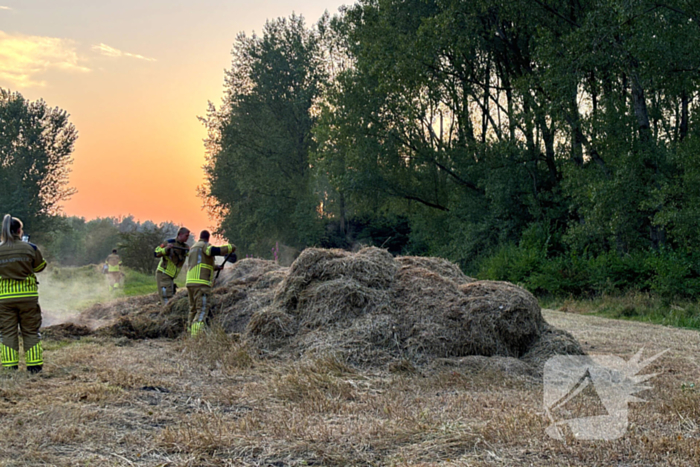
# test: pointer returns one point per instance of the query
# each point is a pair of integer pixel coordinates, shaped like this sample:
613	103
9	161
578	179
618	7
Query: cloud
104	49
24	58
5	7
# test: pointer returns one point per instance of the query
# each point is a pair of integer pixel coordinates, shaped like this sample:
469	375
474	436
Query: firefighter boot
196	328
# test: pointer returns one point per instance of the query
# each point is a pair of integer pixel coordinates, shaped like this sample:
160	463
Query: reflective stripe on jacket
113	262
200	264
171	261
18	263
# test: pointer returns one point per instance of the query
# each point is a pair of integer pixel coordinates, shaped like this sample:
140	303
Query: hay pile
374	309
101	313
368	307
135	317
249	286
240	290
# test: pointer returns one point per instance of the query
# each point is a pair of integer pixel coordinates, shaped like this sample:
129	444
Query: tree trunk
640	109
685	115
343	227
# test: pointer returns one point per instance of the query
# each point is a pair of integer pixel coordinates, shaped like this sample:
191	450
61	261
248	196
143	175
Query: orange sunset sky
134	75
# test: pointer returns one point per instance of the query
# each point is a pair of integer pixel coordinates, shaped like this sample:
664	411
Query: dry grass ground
114	402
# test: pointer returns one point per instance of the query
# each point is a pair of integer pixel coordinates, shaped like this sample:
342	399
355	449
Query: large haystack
377	310
368	307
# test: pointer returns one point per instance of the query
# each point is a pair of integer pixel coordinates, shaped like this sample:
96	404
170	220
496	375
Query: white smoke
65	292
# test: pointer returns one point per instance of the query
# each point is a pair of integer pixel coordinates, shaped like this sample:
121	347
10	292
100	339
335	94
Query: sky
134	75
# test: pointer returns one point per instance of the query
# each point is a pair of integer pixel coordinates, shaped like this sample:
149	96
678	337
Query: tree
136	248
259	182
36	143
101	237
74	242
483	120
66	245
434	121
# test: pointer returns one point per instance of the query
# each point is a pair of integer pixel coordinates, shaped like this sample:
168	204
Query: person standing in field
200	277
172	254
19	297
112	269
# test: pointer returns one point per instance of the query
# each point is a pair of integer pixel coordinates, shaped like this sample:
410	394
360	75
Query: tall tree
259	182
482	119
36	143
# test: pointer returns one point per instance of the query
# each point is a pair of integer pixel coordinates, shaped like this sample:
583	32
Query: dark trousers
199	298
166	286
25	315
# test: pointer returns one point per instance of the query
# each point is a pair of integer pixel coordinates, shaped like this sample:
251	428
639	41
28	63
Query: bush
675	274
666	273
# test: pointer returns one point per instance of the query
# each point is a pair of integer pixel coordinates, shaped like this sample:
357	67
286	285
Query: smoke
65	292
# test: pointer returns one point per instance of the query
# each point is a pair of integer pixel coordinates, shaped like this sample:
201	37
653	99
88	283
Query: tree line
73	241
551	142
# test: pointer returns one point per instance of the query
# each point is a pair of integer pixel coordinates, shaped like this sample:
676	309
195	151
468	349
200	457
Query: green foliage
664	273
36	143
675	274
72	241
551	143
391	233
136	248
258	176
101	237
492	116
67	242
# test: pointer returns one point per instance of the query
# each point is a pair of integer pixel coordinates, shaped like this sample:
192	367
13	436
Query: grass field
115	402
137	283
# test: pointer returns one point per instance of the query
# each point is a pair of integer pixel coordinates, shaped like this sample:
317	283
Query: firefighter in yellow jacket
19	297
112	268
172	254
200	277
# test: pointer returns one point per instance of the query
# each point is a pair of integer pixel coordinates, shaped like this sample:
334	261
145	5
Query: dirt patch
205	401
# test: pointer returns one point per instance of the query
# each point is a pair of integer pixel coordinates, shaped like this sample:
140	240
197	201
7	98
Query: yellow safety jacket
171	261
113	262
18	262
200	264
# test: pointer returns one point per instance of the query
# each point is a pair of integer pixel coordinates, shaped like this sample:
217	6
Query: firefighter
112	270
19	297
200	277
172	254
